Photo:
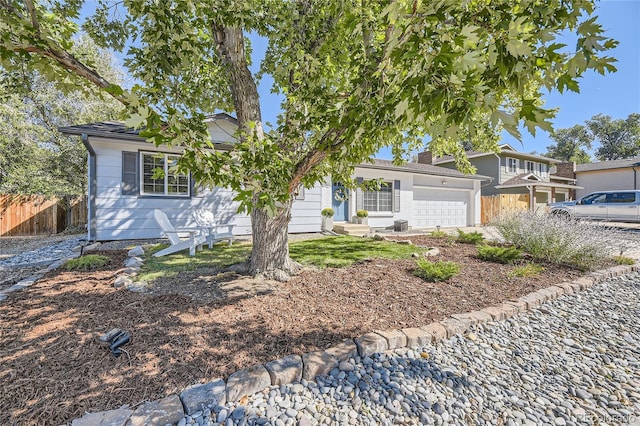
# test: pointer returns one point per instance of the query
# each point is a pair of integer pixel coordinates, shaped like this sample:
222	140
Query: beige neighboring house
514	172
602	176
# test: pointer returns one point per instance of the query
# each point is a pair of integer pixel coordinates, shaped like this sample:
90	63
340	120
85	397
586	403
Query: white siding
222	131
386	219
131	217
440	188
606	180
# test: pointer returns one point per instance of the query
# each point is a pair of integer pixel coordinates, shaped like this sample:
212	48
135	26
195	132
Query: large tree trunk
270	253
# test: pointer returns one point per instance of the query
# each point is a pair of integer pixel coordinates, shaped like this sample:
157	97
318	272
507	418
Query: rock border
125	277
293	368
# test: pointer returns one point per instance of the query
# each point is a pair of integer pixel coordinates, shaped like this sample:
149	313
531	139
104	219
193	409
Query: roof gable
507	147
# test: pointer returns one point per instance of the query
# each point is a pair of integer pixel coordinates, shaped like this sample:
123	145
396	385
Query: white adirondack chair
206	220
196	237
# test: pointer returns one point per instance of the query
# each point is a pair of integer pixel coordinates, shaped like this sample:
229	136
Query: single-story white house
123	193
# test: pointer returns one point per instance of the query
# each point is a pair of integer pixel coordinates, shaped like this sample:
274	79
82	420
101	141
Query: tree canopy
571	144
618	138
355	75
615	138
34	157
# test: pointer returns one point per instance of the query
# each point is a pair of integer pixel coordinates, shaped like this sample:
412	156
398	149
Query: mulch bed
204	325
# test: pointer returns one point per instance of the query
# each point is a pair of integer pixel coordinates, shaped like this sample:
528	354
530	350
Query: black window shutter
194	186
359	196
396	196
130	178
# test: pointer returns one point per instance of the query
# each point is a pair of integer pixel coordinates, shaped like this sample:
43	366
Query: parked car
617	206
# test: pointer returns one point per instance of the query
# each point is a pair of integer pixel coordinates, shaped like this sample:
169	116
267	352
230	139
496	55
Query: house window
512	165
380	200
530	166
171	184
542	169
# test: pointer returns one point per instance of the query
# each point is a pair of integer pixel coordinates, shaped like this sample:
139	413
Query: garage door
433	208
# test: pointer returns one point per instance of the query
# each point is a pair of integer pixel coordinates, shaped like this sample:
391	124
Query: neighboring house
123	193
603	175
514	172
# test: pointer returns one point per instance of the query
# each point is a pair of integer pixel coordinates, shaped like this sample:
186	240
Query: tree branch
34	17
11	9
70	63
316	156
230	47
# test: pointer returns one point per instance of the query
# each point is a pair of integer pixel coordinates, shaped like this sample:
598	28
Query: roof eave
542	184
423	172
451	160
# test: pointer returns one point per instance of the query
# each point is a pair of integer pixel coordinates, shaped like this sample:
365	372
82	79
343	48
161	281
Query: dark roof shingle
604	165
421	168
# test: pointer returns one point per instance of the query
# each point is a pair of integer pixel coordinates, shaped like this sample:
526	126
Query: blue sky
615	94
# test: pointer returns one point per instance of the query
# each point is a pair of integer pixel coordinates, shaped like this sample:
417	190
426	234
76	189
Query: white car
615	206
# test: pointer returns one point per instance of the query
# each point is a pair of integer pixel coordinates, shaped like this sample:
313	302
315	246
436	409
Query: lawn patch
90	262
220	256
338	252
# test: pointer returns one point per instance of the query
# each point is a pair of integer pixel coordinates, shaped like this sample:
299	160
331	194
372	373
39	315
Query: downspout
92	187
499	169
635	178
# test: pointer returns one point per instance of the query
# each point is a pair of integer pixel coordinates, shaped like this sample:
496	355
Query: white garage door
433	208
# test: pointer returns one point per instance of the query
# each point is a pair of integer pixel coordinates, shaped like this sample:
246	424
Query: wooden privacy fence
492	206
35	215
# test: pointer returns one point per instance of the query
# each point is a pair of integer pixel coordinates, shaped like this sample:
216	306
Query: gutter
93	186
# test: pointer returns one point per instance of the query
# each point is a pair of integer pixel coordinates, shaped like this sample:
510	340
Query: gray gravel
573	361
41	255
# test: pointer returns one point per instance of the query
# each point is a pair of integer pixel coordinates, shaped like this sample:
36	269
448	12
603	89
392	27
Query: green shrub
438	234
328	212
498	254
86	263
362	213
436	271
469	238
526	270
623	260
582	245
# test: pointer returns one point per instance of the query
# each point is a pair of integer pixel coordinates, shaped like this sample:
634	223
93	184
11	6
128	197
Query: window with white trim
171	184
380	200
543	169
530	166
512	165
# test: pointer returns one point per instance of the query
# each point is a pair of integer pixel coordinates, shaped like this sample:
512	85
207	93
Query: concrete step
351	229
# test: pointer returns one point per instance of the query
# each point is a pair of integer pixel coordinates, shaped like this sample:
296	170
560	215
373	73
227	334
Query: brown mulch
204	325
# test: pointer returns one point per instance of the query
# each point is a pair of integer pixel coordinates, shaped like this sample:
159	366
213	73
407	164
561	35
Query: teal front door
340	203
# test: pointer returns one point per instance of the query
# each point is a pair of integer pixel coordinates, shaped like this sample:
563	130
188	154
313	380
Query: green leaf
565	81
135	121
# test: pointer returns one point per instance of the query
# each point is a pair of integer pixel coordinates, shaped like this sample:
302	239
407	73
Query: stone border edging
294	368
125	276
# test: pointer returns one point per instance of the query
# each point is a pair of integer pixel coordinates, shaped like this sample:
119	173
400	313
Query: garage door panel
439	208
